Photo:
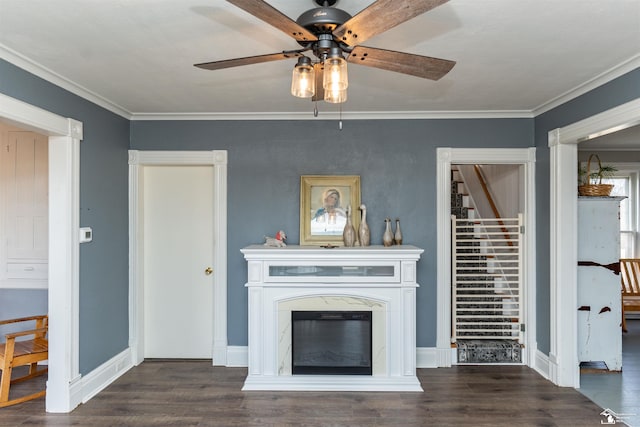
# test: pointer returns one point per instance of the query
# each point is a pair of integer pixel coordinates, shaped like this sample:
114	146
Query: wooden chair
30	347
630	276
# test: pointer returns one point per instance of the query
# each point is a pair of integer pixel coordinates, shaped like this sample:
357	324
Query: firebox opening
331	342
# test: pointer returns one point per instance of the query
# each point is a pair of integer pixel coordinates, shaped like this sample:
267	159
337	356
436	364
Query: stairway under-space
473	350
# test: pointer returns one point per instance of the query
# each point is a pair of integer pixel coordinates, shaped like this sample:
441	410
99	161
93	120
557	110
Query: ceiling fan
330	34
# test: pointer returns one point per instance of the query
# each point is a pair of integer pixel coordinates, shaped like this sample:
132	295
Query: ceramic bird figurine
363	231
349	233
397	237
387	237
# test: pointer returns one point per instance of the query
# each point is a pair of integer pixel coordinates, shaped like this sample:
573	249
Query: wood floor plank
193	393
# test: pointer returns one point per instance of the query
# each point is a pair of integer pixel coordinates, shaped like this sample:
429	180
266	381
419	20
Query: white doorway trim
564	367
445	158
137	161
63	386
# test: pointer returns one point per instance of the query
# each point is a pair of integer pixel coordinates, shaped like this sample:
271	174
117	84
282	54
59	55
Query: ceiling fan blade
400	62
381	16
238	62
273	16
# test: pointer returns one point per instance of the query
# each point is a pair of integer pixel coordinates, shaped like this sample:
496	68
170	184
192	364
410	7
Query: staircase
486	283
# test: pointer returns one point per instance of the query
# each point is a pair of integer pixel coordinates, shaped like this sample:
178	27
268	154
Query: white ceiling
619	140
514	57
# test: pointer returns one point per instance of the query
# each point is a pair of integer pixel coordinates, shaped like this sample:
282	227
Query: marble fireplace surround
390	298
333	303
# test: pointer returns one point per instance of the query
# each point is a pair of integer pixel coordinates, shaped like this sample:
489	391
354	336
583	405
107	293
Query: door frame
564	369
446	156
64	389
138	160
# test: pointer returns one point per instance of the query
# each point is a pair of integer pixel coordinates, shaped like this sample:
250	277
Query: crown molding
38	70
345	115
613	73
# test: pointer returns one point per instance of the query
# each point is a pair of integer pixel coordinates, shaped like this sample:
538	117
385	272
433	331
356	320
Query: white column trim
445	157
220	342
443	272
137	161
563	352
64	219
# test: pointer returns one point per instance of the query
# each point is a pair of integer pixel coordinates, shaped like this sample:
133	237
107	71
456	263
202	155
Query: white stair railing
486	291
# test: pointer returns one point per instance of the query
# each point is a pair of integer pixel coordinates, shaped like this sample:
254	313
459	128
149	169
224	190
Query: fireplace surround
375	279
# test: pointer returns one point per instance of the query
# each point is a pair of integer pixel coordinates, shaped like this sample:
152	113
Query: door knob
208	271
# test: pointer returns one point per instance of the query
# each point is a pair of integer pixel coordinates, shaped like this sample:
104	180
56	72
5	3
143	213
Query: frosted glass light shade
303	80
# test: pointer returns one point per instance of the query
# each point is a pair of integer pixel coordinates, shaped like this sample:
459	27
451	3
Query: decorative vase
387	237
398	234
349	233
363	231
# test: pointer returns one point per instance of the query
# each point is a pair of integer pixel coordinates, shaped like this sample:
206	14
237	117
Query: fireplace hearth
331	342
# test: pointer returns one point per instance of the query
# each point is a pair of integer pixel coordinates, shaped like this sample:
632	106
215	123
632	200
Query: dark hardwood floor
193	393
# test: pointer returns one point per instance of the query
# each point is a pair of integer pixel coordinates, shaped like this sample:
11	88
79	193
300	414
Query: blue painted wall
396	161
617	92
21	303
103	206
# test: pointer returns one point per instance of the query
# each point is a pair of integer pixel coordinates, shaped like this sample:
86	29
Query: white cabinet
24	226
599	294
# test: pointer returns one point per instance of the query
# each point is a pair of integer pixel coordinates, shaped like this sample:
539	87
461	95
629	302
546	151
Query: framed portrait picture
323	208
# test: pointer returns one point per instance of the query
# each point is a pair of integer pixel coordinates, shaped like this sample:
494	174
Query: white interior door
178	248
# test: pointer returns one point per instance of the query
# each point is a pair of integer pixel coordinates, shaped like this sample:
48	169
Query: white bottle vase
397	237
387	237
363	231
349	233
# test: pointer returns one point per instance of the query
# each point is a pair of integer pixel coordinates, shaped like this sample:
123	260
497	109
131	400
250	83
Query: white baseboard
542	364
98	379
433	357
426	357
237	356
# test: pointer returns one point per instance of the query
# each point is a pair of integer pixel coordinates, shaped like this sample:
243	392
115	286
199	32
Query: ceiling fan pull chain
340	122
315	109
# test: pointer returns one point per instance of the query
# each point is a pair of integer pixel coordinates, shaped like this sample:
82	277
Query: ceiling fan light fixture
330	33
335	96
335	71
303	80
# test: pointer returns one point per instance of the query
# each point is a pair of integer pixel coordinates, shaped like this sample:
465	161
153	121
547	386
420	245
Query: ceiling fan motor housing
323	19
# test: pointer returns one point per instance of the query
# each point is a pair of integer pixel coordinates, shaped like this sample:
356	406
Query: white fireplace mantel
374	278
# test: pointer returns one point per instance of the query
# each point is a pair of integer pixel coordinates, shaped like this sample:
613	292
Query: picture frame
323	206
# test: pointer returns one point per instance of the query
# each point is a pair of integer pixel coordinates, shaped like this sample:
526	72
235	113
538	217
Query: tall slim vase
387	237
397	237
363	231
349	233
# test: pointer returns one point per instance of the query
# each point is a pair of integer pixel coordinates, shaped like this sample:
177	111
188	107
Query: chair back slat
630	275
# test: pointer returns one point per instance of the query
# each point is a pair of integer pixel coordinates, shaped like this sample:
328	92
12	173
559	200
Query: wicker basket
594	190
